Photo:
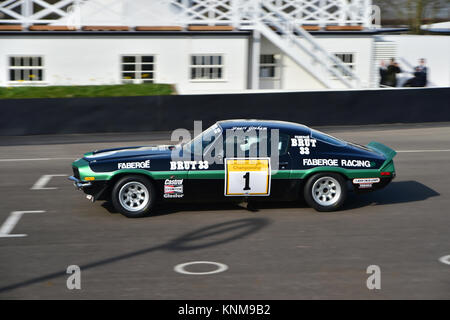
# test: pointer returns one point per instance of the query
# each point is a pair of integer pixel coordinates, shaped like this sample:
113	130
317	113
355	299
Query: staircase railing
289	31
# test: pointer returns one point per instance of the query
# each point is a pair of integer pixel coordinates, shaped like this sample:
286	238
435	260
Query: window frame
28	68
351	65
138	68
275	65
221	66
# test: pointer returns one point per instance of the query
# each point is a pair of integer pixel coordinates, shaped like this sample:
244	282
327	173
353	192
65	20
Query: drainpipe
256	51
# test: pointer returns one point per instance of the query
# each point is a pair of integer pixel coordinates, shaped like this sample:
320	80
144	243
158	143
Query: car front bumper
79	184
93	189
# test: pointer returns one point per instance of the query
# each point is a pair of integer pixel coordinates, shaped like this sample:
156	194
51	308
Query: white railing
234	12
300	12
26	12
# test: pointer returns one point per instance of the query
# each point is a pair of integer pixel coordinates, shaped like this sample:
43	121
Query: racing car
236	160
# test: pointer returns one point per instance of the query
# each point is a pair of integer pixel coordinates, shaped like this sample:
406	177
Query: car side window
250	142
323	137
283	144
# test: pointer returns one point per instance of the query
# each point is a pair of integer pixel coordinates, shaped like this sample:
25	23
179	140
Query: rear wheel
325	191
133	196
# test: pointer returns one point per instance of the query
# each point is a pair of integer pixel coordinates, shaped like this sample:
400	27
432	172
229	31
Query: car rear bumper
363	188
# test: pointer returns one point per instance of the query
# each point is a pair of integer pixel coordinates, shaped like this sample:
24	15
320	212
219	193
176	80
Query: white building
201	45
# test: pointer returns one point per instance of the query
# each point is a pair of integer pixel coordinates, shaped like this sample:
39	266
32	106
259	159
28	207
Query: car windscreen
200	142
327	138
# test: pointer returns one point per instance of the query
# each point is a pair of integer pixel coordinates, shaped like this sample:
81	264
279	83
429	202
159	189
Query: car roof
272	124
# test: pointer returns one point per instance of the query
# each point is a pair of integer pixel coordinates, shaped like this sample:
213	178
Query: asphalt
274	251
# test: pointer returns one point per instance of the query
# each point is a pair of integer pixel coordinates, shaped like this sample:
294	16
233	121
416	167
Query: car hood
129	152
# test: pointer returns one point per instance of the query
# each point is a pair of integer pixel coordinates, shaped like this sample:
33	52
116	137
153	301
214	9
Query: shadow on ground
205	237
396	192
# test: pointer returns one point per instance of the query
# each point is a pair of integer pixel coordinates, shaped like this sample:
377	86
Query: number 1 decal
247	177
247	181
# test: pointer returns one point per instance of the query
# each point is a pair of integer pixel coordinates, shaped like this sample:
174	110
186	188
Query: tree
415	13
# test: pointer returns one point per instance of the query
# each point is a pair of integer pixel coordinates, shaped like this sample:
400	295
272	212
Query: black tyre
325	191
133	196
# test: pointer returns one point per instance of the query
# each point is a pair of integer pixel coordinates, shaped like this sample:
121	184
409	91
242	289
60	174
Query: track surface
278	251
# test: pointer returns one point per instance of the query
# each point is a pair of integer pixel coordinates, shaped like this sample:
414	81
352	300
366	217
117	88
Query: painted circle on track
181	268
445	259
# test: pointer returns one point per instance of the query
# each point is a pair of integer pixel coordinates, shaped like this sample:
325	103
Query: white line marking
423	151
11	222
42	182
445	259
35	159
180	268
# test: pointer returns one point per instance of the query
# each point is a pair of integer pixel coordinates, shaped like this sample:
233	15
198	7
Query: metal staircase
292	38
280	21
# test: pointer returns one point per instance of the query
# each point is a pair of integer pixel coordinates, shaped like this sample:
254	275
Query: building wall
94	60
435	49
293	77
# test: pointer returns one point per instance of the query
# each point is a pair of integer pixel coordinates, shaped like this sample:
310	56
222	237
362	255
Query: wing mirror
218	158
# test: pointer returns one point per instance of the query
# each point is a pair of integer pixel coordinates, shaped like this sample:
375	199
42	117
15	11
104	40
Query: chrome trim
78	183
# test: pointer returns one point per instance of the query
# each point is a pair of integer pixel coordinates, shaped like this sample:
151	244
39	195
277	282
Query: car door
281	182
205	180
235	175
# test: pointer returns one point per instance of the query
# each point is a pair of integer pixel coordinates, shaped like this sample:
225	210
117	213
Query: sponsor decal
321	162
189	165
304	143
366	183
356	163
134	165
336	162
173	188
366	180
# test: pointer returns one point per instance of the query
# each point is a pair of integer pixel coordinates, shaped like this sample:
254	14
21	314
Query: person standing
424	70
383	74
391	73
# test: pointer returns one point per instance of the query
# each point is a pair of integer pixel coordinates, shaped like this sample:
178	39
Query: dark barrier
161	113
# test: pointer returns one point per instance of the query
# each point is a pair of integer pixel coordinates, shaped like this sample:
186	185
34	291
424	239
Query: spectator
391	73
420	76
383	74
419	79
424	69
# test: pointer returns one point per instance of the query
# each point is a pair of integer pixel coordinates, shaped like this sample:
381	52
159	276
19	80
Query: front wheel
325	191
133	196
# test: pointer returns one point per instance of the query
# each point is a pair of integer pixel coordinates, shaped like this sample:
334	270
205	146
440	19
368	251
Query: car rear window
327	138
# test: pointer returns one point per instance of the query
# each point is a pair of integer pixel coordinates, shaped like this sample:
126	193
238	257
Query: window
347	59
256	142
138	69
283	144
206	67
327	138
26	69
203	140
268	66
